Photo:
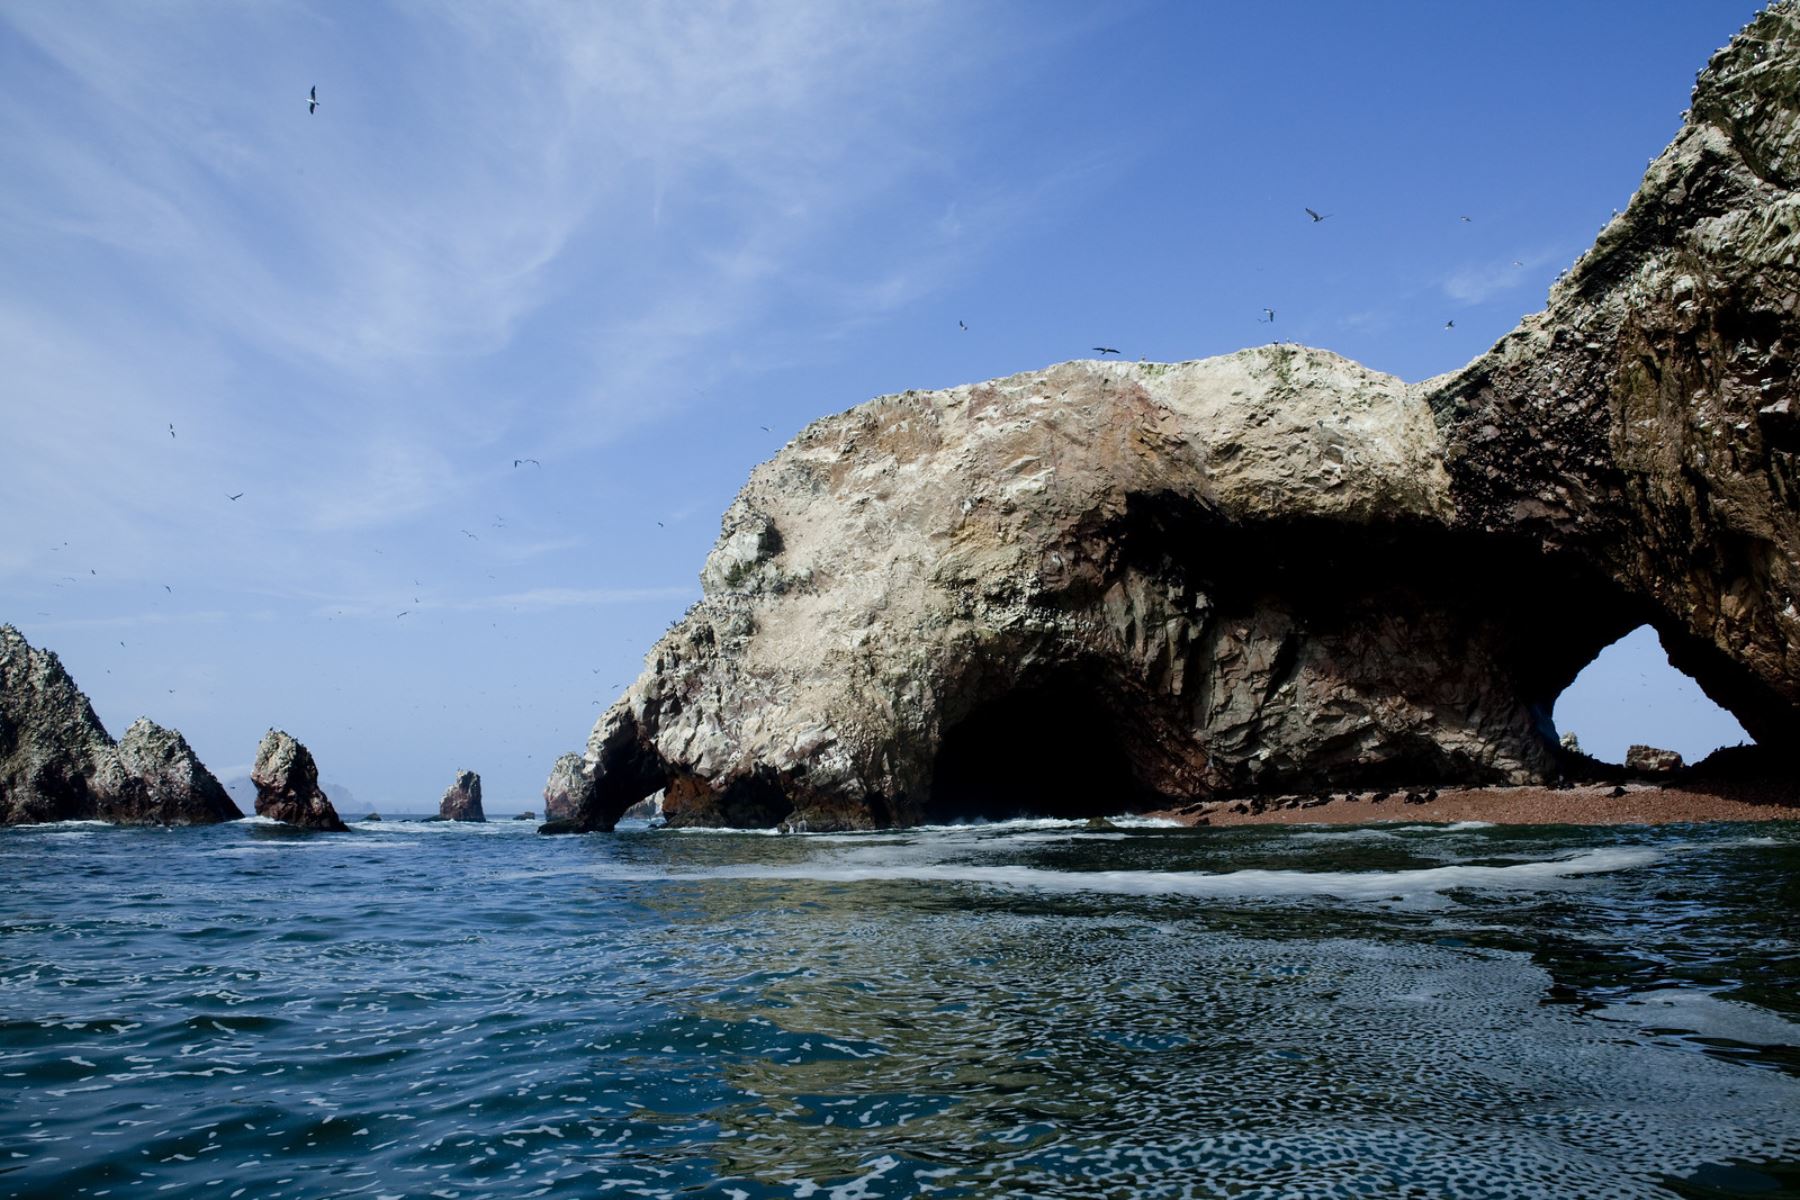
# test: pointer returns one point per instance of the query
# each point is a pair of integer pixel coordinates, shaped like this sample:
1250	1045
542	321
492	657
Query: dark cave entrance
1050	748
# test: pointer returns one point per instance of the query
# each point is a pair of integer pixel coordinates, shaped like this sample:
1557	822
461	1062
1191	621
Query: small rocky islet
1250	580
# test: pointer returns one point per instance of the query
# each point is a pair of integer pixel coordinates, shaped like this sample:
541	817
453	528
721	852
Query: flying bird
1268	317
1317	217
1105	350
467	534
765	429
171	430
239	496
1449	324
168	589
312	99
534	462
962	327
401	613
1465	220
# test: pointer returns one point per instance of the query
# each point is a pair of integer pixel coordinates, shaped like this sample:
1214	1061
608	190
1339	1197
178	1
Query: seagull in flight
534	462
1465	220
962	326
171	429
239	496
401	613
312	99
1105	350
1268	317
467	534
1317	217
1449	324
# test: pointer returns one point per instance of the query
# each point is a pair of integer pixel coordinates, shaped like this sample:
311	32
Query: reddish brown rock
462	800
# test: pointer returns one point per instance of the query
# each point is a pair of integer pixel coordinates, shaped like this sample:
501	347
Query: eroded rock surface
462	800
1109	584
58	763
568	793
1652	759
287	785
1645	425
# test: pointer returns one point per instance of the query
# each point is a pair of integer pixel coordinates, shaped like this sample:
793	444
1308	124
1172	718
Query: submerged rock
1649	758
1108	585
58	763
527	815
462	800
373	817
287	785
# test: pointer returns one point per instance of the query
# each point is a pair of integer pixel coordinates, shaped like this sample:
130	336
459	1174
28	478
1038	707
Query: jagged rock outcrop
462	800
176	788
287	785
1106	584
58	763
1645	425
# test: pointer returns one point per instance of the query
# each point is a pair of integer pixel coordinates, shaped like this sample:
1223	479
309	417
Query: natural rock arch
1277	568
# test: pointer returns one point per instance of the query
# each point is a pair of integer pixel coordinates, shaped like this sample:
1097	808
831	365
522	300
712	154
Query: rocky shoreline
1582	804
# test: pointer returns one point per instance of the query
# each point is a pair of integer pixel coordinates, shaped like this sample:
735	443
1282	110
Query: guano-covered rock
1108	585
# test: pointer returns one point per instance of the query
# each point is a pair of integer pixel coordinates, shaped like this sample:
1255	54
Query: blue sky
620	239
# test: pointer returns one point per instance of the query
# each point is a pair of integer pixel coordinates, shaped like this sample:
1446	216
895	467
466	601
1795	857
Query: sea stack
58	763
287	785
462	801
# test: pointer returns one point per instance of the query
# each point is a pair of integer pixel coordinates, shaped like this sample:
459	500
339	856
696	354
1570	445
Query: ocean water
1029	1008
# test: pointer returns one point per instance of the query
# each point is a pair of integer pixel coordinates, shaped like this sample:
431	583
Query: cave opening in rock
1050	748
1632	694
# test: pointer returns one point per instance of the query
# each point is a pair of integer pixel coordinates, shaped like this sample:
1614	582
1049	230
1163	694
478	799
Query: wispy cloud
1480	282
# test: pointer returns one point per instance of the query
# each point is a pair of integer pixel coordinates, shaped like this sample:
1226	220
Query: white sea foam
1247	884
60	827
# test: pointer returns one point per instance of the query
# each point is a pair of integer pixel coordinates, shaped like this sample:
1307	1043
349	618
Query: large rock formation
462	799
1644	426
58	763
287	785
1108	584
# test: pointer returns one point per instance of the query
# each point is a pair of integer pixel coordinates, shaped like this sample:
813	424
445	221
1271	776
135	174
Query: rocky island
1110	584
58	763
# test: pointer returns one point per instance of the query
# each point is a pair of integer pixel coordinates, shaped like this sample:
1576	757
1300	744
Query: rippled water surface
1030	1009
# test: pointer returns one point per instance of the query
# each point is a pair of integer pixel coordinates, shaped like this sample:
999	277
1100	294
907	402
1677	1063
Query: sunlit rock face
1108	585
287	785
58	763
